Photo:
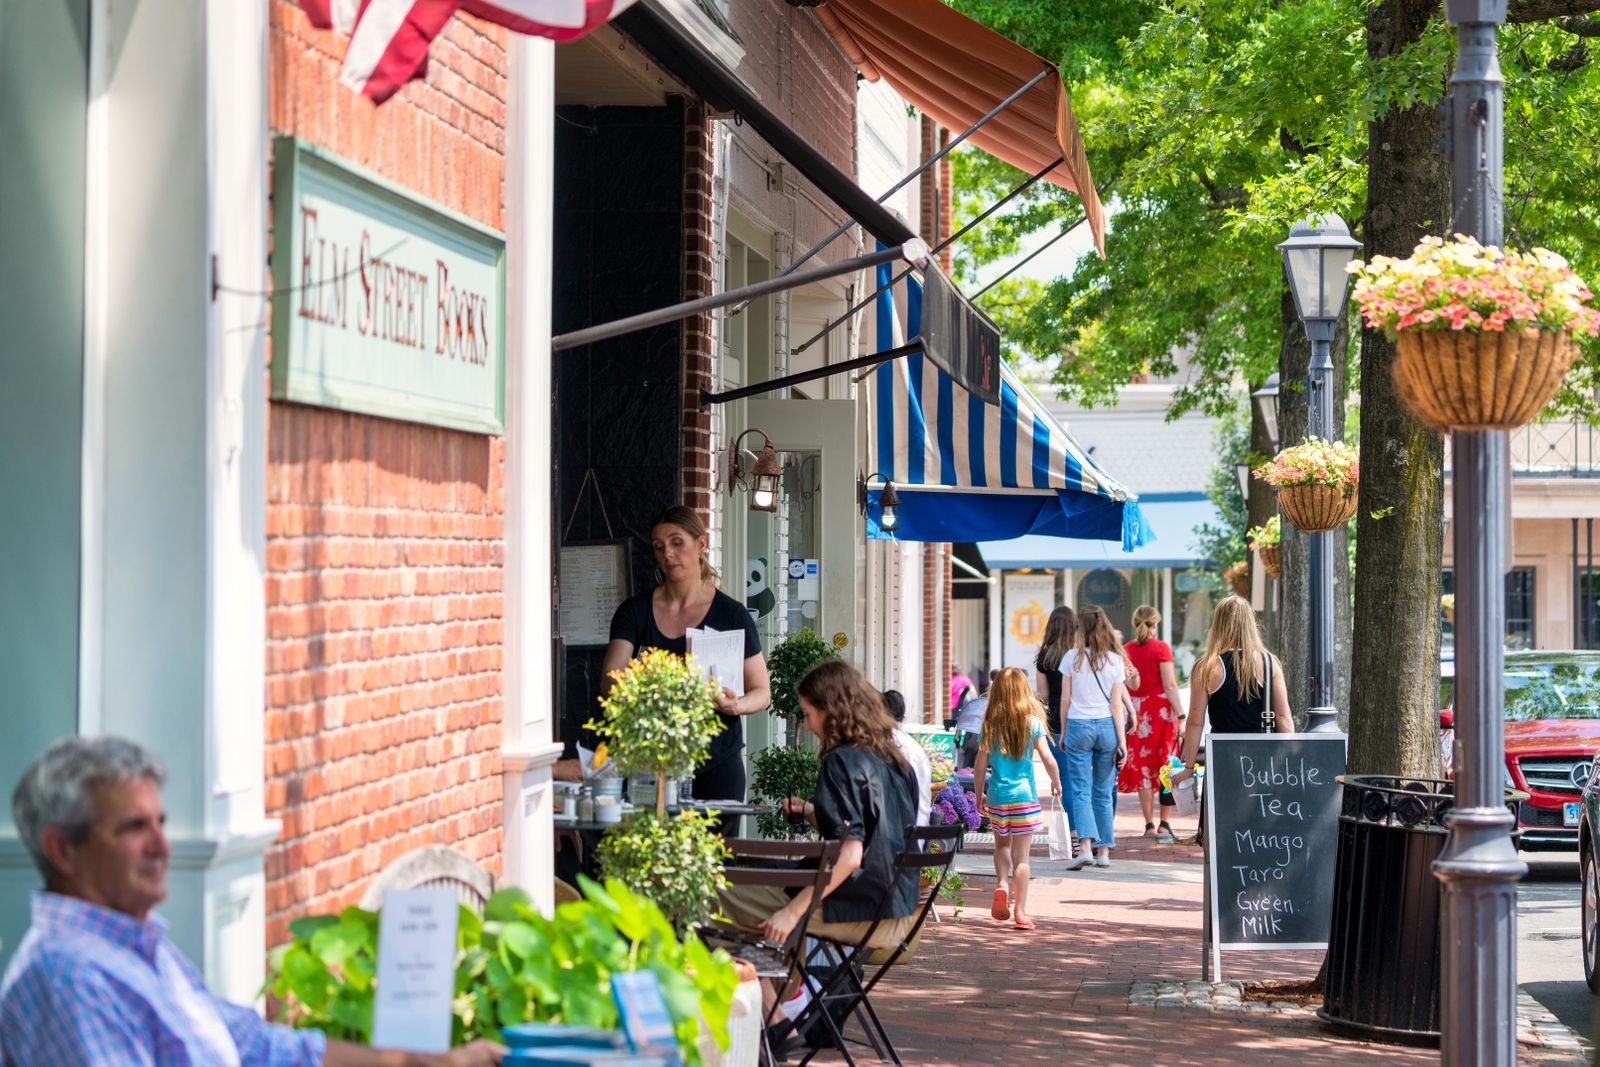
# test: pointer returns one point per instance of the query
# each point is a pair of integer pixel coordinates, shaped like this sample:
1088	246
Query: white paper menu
720	656
416	970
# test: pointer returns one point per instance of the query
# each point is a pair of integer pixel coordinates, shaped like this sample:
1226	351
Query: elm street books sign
384	303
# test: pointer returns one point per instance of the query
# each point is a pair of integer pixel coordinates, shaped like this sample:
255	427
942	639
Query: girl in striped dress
1013	733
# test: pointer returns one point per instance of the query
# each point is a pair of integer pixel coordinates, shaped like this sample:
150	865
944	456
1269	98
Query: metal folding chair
847	984
787	865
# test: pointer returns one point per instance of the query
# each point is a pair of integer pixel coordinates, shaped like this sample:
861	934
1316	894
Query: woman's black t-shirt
878	801
635	623
1052	702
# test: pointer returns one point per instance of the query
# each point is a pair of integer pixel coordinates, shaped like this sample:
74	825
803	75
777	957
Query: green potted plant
791	658
1484	336
515	965
660	717
1266	539
1316	482
1447	604
778	772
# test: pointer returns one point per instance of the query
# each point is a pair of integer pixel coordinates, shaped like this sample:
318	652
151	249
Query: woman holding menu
686	597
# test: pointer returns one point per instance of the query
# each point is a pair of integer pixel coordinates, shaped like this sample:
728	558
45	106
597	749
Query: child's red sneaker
1001	907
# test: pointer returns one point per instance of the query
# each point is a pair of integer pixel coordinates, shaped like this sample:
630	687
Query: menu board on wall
594	583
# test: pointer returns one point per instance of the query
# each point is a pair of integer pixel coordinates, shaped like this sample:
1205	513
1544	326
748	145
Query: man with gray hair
95	981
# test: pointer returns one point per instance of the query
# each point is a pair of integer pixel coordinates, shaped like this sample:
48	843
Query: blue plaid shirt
92	986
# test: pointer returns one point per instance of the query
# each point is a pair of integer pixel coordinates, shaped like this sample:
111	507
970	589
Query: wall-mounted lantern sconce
764	474
888	500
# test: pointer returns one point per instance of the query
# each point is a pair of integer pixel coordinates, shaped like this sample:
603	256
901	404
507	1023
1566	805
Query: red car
1552	737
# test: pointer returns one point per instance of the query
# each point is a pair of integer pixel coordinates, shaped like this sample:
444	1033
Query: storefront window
1520	607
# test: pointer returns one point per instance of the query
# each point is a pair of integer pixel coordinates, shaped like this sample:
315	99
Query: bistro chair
785	865
433	867
847	984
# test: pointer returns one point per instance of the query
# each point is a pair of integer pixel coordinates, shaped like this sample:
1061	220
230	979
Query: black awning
721	88
965	571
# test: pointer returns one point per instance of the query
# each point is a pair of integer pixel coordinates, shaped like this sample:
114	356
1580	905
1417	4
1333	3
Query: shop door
802	558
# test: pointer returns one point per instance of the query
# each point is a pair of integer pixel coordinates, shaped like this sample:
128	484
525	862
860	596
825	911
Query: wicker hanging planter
1467	380
1271	559
1312	508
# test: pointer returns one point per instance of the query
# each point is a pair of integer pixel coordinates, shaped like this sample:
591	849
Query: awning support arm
1028	258
923	166
872	359
977	575
913	252
940	247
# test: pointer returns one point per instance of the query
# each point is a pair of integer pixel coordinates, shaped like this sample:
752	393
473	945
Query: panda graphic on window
758	594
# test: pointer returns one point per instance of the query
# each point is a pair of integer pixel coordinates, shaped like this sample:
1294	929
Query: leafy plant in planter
1316	482
777	772
514	965
659	716
791	658
675	860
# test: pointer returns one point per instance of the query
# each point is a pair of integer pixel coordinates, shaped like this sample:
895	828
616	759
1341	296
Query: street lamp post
1314	258
1479	867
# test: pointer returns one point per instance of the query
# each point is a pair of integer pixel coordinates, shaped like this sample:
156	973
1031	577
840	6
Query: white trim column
528	751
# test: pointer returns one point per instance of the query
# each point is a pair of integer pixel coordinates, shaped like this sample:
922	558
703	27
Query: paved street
1549	956
980	992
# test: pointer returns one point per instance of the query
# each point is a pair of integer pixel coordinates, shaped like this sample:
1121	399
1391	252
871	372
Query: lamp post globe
1316	256
1266	402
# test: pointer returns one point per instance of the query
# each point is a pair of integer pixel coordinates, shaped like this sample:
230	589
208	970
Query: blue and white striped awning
966	470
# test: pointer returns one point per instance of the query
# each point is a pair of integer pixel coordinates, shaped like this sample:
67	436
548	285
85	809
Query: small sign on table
416	970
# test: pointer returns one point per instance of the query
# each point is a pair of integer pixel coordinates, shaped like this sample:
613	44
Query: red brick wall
384	539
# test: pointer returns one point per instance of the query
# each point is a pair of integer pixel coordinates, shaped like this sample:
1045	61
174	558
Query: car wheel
1591	918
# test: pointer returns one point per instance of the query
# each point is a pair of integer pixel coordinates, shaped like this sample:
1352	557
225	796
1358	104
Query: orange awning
955	71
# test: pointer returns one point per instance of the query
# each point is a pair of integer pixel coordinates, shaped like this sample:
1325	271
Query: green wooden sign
383	302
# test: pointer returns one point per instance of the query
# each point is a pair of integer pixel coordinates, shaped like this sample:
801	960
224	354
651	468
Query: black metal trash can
1384	937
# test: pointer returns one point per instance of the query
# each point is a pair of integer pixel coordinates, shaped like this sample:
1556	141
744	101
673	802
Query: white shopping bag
1185	795
1058	832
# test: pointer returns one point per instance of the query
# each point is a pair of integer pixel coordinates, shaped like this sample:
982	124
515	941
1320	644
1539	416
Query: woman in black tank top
1256	704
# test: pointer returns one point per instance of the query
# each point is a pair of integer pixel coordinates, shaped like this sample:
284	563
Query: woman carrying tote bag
1238	683
1094	708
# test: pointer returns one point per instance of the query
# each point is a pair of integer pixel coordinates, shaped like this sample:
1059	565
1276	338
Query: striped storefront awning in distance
389	39
965	470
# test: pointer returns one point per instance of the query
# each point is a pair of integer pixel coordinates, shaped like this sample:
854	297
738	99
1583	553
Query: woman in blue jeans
1094	695
1060	638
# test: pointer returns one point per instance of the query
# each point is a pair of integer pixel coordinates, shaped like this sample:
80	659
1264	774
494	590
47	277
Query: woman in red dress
1158	709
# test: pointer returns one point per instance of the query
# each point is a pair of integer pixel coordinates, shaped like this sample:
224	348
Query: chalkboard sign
1272	810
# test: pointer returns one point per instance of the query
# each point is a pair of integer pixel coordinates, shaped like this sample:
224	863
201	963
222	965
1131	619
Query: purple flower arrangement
954	805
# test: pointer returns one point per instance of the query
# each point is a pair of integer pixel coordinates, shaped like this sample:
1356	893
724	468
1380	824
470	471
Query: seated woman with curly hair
866	797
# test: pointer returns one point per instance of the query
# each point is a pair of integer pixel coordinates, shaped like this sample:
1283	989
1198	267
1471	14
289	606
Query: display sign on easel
1272	819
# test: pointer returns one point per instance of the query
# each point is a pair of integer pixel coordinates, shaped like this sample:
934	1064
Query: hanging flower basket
1484	336
1238	578
1265	539
1316	483
1447	604
1313	508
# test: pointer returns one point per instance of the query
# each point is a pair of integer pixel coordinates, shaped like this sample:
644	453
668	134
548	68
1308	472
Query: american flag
389	38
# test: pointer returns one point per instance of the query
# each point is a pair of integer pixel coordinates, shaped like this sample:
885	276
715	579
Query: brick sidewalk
982	992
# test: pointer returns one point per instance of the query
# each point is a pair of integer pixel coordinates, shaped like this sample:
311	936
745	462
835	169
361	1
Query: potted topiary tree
660	717
1483	336
790	660
1316	482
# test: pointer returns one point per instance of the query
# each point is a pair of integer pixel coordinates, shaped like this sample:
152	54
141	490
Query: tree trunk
1394	711
1294	626
1260	505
